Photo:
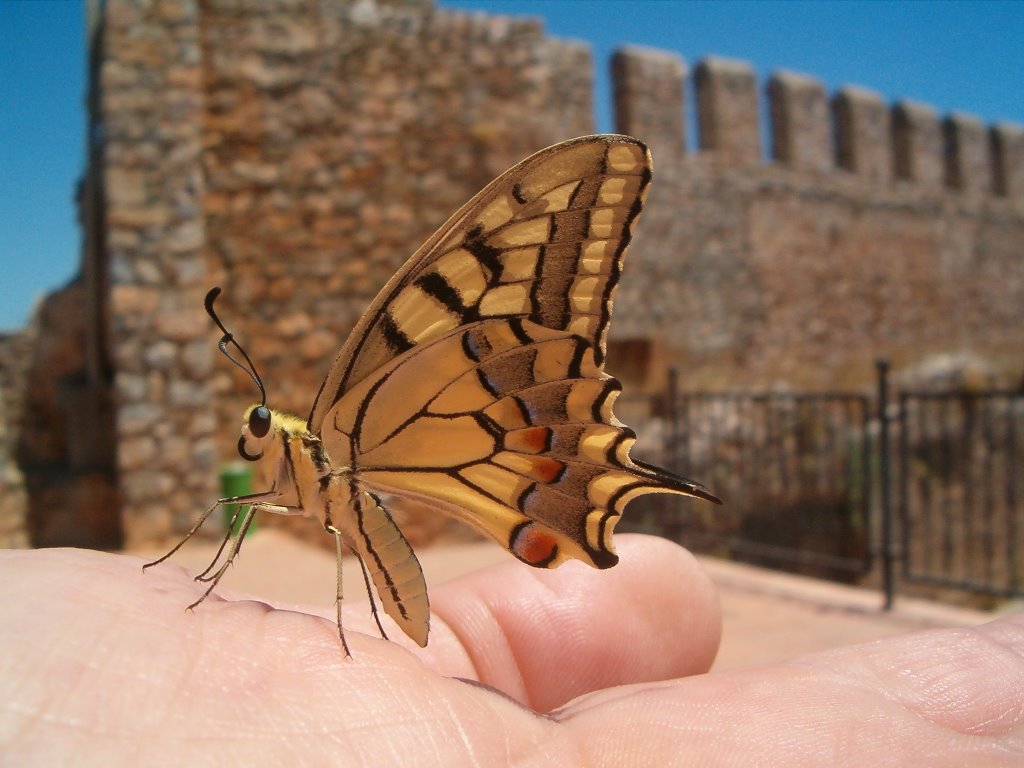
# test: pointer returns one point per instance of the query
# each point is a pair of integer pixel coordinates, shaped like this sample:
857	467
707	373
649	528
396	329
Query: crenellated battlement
854	130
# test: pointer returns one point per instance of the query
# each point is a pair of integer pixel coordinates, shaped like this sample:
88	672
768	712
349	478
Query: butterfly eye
259	421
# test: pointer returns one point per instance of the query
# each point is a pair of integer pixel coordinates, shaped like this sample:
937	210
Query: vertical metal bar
743	437
931	437
1012	564
833	474
666	510
865	481
783	429
907	522
966	530
948	484
688	436
773	432
759	466
672	433
882	366
988	484
799	450
711	419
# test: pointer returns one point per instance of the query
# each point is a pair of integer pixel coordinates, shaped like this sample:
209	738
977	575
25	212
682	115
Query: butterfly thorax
296	467
292	461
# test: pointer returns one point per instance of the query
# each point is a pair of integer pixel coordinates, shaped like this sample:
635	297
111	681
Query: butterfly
474	383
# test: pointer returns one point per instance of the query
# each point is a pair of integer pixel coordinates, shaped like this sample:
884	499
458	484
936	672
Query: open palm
524	667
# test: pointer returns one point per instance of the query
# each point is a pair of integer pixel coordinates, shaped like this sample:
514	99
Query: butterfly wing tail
670	482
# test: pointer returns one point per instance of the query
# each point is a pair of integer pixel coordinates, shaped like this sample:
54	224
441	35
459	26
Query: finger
939	698
548	636
247	682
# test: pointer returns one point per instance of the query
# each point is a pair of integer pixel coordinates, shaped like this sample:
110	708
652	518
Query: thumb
548	636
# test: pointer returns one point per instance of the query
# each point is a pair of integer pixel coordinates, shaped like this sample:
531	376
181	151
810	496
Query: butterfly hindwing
507	425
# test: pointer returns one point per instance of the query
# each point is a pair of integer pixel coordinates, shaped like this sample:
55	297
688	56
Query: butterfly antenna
228	338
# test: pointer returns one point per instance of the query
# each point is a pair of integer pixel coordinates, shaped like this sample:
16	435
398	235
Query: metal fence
961	490
843	485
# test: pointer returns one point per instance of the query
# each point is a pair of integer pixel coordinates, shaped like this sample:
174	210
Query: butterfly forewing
543	242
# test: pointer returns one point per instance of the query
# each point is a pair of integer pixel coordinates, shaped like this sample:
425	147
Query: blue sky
964	56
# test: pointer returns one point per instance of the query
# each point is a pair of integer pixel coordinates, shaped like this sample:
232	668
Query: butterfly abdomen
392	566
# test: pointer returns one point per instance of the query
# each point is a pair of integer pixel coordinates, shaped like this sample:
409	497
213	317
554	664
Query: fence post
669	514
671	451
884	456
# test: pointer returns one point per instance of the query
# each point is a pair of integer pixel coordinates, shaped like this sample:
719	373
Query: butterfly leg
231	527
237	547
223	543
369	594
215	579
337	599
253	497
220	550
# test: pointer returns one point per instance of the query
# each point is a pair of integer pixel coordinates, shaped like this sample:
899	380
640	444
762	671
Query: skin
101	665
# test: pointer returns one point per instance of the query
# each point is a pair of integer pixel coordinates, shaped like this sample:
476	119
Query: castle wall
901	240
158	340
295	154
336	140
15	359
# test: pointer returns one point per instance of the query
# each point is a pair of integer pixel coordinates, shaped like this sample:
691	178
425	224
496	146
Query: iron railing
961	490
923	486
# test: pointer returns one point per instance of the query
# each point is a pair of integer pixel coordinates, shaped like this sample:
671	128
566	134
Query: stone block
863	133
801	125
125	187
918	144
648	99
727	111
1008	159
968	158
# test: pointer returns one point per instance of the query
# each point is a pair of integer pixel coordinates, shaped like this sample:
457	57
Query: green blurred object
236	480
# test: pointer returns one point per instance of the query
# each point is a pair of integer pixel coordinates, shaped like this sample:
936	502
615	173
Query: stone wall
151	113
800	270
15	357
294	154
337	138
297	153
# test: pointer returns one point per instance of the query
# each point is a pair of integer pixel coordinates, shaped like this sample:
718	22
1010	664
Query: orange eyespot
529	440
533	546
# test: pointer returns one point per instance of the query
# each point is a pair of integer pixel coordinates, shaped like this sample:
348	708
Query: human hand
103	665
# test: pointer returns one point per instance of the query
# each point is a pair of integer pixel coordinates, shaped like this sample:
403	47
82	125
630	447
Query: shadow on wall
65	449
